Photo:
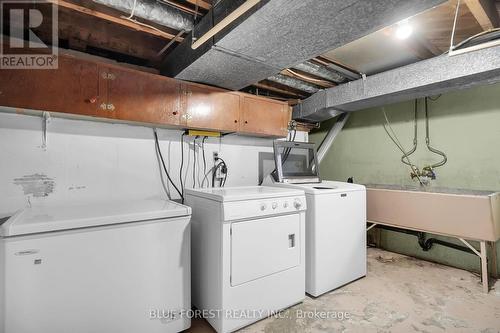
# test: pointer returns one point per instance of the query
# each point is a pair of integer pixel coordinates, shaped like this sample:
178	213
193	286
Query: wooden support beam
116	20
485	13
230	18
264	86
201	4
308	78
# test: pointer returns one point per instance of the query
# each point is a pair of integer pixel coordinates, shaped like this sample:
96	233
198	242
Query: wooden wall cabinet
137	96
103	90
73	88
211	108
263	116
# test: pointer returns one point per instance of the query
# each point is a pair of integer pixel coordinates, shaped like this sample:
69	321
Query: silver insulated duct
424	78
278	34
153	11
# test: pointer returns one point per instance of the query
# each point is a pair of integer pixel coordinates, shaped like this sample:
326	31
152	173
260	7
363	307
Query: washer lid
224	194
54	218
325	187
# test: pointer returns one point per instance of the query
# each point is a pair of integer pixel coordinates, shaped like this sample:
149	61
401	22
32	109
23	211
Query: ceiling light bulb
404	30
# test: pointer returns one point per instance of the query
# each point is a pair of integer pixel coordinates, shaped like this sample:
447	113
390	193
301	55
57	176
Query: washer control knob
275	205
285	204
297	204
263	206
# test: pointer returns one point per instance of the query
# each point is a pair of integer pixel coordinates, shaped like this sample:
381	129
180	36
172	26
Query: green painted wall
464	124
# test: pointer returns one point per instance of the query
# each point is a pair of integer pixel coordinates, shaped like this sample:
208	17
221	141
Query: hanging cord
396	141
131	19
221	164
194	161
157	144
161	169
182	165
415	136
428	141
133	11
204	159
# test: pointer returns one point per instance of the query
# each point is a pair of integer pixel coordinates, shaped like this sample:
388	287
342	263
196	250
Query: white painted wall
91	161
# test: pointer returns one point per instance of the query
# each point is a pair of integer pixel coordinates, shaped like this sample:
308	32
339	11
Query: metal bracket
45	121
484	262
332	134
109	107
108	76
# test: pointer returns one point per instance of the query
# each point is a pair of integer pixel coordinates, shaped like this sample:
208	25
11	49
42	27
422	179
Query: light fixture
403	30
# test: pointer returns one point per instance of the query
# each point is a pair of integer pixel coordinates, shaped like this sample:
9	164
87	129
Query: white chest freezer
109	267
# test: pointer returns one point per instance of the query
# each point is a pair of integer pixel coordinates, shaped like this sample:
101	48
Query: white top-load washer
111	267
335	219
247	252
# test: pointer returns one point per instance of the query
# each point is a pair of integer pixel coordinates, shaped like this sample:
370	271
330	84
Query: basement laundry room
255	166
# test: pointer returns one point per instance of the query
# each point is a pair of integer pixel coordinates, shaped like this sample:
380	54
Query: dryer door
263	247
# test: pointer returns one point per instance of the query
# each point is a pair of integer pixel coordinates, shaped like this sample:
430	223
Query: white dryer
247	252
335	219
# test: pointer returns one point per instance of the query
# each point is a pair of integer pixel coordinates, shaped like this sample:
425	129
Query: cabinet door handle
246	122
91	100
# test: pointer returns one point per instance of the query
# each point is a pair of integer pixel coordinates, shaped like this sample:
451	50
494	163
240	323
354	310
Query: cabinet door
72	88
211	108
264	117
142	97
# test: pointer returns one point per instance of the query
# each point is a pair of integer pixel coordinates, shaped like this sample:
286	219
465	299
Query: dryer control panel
246	209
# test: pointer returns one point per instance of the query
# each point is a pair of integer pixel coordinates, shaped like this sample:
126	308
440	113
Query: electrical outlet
218	173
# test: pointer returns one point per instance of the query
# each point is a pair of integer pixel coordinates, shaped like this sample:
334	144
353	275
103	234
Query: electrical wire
221	164
157	144
223	182
194	161
214	173
182	165
204	159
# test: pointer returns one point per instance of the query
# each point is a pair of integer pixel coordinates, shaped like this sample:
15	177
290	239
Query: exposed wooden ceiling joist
485	12
279	91
203	4
307	78
185	8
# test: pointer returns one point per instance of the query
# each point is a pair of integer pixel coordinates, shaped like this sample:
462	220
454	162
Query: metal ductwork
278	34
320	71
153	11
294	83
424	78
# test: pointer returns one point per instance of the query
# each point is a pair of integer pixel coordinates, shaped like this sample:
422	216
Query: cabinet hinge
110	107
108	76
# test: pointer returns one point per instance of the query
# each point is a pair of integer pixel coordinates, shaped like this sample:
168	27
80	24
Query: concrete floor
399	294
